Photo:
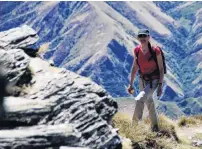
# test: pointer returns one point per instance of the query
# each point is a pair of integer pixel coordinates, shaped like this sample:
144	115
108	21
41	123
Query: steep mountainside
189	16
96	39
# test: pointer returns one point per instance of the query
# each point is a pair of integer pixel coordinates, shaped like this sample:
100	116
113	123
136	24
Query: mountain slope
96	39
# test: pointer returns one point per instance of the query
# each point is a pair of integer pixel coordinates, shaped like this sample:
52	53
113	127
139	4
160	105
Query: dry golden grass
198	136
43	48
198	117
142	131
190	121
136	133
166	138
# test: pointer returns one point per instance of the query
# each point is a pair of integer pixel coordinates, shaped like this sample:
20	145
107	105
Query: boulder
20	37
56	107
38	137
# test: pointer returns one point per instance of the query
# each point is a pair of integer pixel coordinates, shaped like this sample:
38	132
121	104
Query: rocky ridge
54	107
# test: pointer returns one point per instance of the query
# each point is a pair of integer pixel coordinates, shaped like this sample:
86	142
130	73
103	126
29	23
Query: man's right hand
130	89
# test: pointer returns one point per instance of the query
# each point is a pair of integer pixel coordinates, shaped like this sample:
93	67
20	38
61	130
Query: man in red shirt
151	76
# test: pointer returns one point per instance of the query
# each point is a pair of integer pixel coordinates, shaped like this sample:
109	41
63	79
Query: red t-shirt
146	66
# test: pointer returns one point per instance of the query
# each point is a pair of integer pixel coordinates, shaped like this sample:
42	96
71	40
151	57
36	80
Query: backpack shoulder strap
163	58
164	61
136	51
153	53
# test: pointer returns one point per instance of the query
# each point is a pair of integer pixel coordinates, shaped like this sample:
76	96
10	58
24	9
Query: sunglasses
142	36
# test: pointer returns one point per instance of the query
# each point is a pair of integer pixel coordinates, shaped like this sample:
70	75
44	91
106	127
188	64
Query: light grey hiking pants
148	100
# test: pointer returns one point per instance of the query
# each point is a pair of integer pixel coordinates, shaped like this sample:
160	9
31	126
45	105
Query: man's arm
133	71
161	69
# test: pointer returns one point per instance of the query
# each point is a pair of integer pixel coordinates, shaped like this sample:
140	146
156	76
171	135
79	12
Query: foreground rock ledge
56	107
40	136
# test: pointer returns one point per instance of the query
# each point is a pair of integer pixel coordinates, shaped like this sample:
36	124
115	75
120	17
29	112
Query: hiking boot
155	128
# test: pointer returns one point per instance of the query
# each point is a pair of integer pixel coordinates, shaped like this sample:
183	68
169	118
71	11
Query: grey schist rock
12	56
15	62
66	147
20	37
40	136
197	143
58	107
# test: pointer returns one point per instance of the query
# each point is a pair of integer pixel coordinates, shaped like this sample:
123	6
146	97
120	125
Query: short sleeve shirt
146	66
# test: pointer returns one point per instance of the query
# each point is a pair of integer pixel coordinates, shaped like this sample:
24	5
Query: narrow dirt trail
189	132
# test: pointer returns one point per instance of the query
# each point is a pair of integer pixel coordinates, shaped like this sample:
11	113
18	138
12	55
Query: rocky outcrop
55	107
39	137
15	62
12	56
20	37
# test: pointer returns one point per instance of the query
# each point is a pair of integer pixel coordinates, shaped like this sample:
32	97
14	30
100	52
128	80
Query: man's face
143	38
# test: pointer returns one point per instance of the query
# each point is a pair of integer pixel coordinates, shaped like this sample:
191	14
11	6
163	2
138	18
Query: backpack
153	56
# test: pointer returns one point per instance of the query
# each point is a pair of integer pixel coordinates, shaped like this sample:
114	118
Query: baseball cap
144	32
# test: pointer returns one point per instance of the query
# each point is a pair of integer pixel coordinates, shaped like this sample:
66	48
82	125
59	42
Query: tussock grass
43	48
190	121
184	121
126	129
142	136
198	136
198	117
167	127
141	133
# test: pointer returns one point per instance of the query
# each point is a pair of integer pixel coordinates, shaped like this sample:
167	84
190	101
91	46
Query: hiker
149	60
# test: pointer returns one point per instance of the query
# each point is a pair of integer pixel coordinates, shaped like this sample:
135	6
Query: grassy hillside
172	134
